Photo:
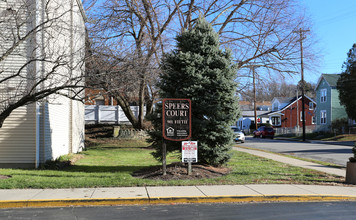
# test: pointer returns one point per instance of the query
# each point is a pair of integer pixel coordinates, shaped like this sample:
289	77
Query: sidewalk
19	198
294	162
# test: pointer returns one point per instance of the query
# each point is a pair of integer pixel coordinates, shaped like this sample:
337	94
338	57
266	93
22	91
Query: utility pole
301	31
254	95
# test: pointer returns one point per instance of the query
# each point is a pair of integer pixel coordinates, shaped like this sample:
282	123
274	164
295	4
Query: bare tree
40	53
135	34
267	90
128	35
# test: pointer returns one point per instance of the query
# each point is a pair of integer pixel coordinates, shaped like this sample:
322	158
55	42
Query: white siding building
51	38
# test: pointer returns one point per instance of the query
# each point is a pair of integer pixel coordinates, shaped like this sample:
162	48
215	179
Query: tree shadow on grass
74	170
102	169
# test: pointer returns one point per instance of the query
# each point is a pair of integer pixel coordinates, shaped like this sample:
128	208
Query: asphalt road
265	211
337	154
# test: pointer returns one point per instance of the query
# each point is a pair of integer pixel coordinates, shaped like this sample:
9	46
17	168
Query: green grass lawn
111	165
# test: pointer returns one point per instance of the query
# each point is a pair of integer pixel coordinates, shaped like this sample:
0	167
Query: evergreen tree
347	84
199	70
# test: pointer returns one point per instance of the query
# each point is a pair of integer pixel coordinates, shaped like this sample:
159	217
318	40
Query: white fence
103	114
295	130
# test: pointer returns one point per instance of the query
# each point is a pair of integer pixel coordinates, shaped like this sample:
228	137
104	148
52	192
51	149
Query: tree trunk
141	103
124	104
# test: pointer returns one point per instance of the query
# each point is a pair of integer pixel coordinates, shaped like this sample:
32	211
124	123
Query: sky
334	24
334	27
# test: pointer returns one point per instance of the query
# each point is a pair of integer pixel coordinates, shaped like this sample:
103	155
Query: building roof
290	102
247	105
331	79
252	113
284	99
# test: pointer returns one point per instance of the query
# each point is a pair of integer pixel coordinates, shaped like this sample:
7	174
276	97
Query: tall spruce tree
347	83
199	70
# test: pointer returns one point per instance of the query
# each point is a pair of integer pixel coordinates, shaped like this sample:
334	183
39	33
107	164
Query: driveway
337	154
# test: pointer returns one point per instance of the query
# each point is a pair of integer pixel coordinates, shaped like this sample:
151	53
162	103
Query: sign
190	151
176	119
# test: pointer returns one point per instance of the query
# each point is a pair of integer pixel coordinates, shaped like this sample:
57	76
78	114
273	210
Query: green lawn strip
298	158
112	166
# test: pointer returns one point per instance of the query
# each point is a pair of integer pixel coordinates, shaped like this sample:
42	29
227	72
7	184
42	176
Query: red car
263	132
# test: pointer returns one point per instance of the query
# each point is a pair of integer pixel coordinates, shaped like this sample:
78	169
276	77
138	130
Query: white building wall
61	123
66	116
18	138
78	49
56	124
18	133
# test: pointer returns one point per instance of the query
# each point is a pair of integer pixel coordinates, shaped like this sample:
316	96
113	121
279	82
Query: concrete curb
170	200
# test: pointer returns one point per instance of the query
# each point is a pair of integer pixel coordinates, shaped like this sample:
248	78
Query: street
337	154
308	210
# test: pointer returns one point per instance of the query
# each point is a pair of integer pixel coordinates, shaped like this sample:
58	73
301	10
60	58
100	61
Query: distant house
101	108
54	126
328	103
98	97
287	112
260	106
248	115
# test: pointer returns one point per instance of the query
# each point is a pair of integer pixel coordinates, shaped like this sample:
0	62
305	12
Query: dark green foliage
200	71
339	125
346	84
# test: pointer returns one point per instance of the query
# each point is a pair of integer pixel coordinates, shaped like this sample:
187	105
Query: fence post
99	114
118	114
96	114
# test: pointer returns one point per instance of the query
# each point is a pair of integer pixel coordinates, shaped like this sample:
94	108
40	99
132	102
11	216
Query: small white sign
190	151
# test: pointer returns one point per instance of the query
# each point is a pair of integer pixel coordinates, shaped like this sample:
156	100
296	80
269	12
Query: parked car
239	136
263	132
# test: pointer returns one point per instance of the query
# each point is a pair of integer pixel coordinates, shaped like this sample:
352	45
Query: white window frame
301	115
313	120
323	115
323	95
311	105
278	120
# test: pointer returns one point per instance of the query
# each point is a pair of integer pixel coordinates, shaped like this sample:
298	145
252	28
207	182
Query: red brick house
98	97
287	112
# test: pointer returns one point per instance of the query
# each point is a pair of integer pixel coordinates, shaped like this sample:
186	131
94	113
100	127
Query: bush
339	125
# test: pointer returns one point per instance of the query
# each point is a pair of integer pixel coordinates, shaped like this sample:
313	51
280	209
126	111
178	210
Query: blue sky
334	24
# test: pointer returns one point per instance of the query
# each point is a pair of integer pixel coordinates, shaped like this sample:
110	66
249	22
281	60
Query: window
99	102
311	105
301	115
276	121
275	106
323	117
313	120
323	95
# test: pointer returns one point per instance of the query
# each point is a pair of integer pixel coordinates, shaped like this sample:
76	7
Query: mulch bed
179	171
